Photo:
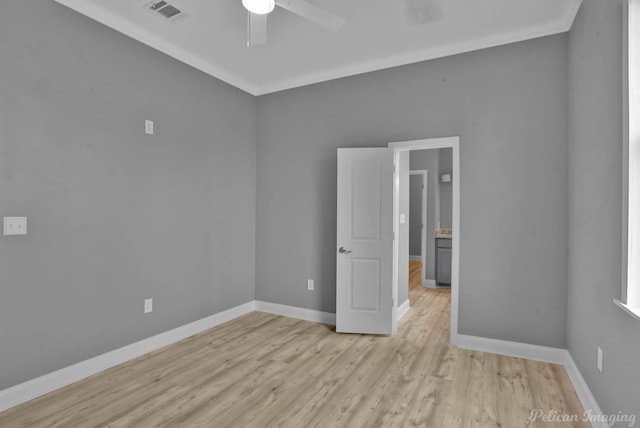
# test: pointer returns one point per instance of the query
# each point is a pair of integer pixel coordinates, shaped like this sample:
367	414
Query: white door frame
423	231
432	143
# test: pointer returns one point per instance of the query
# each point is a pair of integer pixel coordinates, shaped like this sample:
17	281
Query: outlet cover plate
148	127
14	225
600	359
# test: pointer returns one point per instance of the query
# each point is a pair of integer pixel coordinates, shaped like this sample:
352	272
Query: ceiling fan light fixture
259	7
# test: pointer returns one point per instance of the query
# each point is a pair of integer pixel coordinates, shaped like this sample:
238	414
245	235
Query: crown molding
152	40
561	26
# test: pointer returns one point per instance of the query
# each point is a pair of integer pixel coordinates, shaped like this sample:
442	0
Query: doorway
400	272
418	221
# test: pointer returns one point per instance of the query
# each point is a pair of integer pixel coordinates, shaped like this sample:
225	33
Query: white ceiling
378	34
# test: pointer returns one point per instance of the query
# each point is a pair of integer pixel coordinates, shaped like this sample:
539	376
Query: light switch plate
14	225
403	218
310	285
148	305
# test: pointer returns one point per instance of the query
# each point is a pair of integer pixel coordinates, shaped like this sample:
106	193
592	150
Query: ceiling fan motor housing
259	7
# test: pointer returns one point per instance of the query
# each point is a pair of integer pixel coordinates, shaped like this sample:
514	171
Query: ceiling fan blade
313	13
256	29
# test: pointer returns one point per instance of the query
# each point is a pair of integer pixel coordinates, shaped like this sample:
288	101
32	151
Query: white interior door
365	242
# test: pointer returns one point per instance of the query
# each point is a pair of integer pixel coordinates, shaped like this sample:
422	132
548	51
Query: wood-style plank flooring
264	370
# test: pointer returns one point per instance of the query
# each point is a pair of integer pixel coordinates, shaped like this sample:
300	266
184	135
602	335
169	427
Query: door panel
365	235
365	284
365	201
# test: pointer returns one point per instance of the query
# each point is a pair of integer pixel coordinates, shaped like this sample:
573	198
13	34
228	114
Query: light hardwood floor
264	370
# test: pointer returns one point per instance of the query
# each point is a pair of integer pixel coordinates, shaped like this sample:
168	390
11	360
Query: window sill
634	312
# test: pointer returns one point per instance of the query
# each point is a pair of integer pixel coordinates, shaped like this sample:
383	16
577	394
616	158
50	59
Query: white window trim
630	295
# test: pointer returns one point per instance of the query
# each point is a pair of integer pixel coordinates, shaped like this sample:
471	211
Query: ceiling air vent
166	10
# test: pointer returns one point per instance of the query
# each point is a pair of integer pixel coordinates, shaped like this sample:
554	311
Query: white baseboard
429	283
418	258
539	353
584	393
296	312
34	388
512	349
403	309
44	384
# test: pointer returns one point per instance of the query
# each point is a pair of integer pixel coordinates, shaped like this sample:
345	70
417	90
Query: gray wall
415	215
445	190
595	165
115	216
509	106
428	159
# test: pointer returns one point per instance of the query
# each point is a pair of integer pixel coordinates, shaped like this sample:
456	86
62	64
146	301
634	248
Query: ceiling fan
258	15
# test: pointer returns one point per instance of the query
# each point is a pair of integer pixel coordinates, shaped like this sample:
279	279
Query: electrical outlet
15	225
600	359
148	127
310	285
148	305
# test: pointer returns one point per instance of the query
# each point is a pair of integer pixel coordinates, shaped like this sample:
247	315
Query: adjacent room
330	213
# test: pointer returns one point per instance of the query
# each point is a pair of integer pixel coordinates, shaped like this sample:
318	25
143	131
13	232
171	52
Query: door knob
343	251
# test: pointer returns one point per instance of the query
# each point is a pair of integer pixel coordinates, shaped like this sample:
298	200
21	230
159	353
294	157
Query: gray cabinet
443	261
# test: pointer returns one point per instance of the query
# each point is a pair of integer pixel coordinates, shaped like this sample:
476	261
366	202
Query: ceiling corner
572	13
121	25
